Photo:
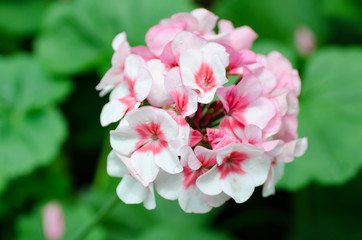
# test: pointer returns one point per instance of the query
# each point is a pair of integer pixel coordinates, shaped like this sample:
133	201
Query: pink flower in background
53	221
202	118
305	40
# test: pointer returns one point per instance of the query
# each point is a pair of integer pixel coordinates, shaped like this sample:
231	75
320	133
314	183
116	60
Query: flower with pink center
185	104
195	163
147	140
245	105
191	145
240	168
130	92
204	70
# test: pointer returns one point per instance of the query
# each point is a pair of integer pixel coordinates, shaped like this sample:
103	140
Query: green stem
100	215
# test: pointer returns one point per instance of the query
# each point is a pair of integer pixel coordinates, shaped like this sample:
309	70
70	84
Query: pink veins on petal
181	101
232	164
190	176
205	78
152	138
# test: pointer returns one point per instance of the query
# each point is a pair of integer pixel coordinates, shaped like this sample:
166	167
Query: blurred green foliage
53	53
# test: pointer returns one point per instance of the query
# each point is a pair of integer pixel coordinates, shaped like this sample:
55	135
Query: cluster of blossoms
202	118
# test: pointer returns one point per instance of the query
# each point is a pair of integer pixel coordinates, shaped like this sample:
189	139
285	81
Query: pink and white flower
240	168
204	70
147	141
195	163
130	92
199	141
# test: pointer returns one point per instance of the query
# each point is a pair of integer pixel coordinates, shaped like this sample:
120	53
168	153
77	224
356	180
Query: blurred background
53	149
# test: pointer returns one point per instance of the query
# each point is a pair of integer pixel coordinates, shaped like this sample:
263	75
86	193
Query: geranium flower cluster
202	118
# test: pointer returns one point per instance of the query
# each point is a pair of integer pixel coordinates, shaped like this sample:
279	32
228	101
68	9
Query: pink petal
158	36
259	112
249	150
207	20
292	149
142	51
206	156
53	221
184	98
242	38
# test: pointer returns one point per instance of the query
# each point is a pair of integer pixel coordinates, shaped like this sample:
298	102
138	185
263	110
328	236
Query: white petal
132	66
158	95
120	91
191	201
207	20
275	174
217	200
118	40
209	183
238	186
130	191
295	148
257	168
124	140
214	49
113	111
150	202
143	84
144	165
169	185
115	167
189	158
269	186
168	160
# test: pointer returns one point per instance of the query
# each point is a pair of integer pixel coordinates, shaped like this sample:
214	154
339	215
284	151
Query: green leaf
74	216
32	129
77	35
275	19
331	118
329	213
21	17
